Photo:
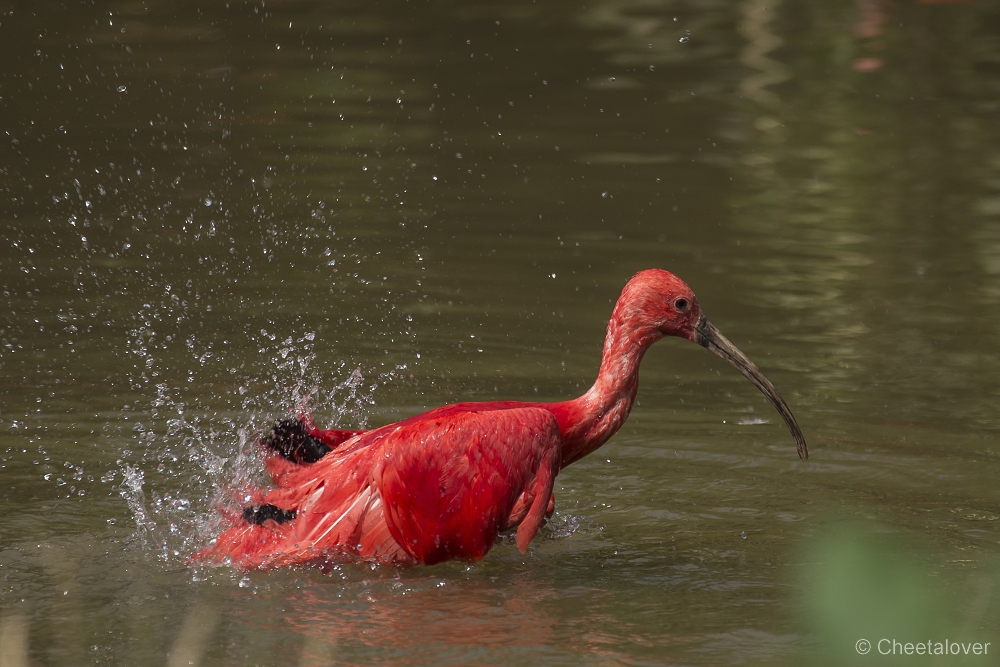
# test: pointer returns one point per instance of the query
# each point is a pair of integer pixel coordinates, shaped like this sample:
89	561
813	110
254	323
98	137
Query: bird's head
656	303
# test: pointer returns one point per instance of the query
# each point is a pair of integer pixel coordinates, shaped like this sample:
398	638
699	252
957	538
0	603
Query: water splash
753	421
557	527
197	457
131	490
561	526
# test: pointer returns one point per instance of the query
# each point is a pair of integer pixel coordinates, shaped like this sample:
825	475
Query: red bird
442	485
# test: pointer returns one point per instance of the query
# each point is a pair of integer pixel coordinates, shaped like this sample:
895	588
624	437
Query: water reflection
14	641
756	27
821	184
413	613
191	643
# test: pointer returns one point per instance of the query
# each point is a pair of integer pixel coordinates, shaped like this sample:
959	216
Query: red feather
432	488
444	484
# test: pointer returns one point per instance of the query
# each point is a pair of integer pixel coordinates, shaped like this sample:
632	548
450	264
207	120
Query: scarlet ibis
443	484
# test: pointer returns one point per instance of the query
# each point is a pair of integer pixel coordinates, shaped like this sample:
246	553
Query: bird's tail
316	513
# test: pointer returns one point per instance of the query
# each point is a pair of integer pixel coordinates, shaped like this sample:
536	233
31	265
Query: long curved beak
708	336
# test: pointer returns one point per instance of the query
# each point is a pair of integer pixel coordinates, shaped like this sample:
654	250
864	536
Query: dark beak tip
800	444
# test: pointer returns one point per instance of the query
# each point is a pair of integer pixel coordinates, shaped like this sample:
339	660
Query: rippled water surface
212	214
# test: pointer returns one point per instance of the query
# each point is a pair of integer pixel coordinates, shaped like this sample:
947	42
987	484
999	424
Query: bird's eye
681	304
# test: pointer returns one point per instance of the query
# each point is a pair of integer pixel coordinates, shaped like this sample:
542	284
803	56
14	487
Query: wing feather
425	490
450	485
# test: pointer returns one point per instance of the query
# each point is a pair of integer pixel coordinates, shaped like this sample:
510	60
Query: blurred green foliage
864	582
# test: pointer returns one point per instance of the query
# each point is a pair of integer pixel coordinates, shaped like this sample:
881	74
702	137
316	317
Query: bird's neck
586	423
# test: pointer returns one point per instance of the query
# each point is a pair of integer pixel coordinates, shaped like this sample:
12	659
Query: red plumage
434	487
442	485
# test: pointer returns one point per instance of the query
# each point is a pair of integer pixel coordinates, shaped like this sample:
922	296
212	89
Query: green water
212	213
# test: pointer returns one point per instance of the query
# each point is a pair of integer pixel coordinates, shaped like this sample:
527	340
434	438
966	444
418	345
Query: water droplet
208	201
683	40
122	89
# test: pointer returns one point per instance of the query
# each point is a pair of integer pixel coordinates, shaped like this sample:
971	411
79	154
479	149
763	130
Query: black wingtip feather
259	515
291	440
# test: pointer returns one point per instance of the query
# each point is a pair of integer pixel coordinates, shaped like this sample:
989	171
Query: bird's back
437	486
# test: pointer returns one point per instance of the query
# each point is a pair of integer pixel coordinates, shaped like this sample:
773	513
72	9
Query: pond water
215	213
